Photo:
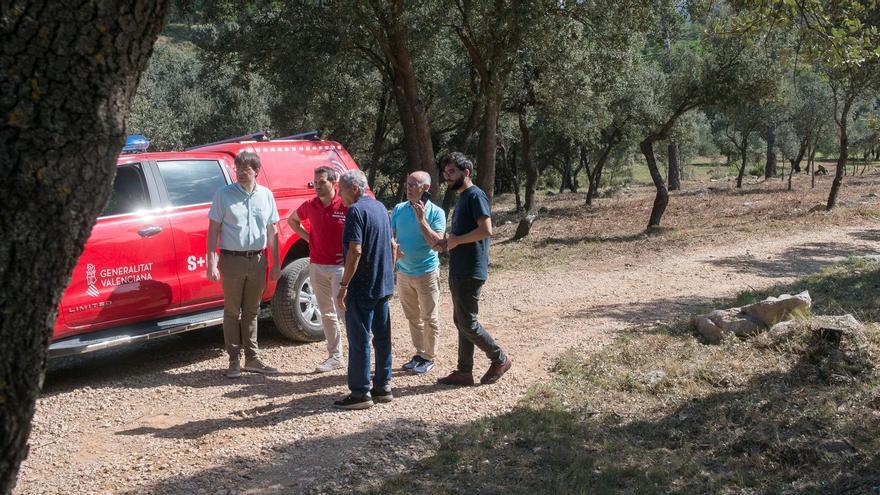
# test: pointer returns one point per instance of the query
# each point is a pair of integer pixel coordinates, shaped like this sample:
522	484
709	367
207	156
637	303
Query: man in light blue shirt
243	216
417	224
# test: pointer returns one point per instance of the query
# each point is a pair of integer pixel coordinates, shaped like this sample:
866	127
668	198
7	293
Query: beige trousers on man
420	296
244	279
325	280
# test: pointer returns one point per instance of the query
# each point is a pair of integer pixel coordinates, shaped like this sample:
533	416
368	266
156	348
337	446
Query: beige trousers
325	280
420	296
244	279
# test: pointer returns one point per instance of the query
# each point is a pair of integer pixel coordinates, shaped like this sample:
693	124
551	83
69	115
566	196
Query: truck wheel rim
308	305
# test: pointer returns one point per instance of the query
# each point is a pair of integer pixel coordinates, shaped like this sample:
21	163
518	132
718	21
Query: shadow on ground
738	439
139	363
803	259
301	466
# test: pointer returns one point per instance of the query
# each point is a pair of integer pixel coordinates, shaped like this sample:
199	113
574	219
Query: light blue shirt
418	257
243	217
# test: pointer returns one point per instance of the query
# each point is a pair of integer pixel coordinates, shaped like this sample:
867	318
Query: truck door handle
149	231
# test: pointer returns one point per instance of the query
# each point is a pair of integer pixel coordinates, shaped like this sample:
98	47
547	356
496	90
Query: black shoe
352	401
381	396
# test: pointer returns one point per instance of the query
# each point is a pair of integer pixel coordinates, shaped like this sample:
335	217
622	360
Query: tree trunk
485	165
662	197
744	149
515	169
674	169
813	160
379	134
528	165
67	81
842	156
770	165
796	163
420	128
596	177
566	182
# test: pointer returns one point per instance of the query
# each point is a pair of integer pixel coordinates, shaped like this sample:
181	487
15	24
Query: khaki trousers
325	280
420	296
244	279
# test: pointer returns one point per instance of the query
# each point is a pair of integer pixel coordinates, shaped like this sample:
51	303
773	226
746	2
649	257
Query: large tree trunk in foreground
843	154
662	197
674	169
67	78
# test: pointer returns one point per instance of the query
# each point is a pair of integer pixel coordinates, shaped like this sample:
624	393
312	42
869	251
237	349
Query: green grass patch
659	412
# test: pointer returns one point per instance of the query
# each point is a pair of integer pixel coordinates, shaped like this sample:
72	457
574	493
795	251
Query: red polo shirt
325	234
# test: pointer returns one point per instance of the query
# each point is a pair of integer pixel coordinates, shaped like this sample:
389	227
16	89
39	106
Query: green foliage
185	99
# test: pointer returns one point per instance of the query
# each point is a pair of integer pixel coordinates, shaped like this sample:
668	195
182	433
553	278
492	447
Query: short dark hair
248	158
458	159
332	175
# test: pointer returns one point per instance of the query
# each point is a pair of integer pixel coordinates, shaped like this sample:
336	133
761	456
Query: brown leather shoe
457	378
496	371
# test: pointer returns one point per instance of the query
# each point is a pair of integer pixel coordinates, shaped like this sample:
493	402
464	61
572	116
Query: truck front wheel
294	307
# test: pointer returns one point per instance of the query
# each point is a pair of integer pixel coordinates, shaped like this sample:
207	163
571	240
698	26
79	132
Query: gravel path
160	418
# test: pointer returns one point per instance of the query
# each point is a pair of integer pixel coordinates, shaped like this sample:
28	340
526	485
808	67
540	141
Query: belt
242	253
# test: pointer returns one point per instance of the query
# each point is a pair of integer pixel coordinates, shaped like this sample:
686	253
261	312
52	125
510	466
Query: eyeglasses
413	184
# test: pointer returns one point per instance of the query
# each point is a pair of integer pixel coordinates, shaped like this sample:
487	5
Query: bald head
417	183
421	177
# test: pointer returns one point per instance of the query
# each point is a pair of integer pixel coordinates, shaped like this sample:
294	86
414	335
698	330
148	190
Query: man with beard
468	245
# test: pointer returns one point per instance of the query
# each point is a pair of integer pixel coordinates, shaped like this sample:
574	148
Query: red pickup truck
142	272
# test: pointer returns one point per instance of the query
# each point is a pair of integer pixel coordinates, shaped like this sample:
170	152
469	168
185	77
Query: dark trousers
363	317
465	304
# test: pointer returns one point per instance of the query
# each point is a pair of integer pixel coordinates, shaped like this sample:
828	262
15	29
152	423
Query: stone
772	310
751	319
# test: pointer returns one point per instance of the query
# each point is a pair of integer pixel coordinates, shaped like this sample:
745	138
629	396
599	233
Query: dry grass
661	413
702	213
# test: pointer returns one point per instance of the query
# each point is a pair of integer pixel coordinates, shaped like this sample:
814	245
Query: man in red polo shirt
326	214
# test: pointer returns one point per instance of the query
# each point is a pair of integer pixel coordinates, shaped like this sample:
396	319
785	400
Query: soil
161	418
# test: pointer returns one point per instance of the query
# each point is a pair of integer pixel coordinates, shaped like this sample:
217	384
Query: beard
457	184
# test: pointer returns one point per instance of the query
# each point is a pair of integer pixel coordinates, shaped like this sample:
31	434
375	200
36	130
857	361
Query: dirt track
160	418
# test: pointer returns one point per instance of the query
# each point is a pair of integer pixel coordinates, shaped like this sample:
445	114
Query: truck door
127	271
188	188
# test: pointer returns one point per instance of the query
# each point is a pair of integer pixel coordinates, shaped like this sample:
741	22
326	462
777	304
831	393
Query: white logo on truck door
90	281
194	263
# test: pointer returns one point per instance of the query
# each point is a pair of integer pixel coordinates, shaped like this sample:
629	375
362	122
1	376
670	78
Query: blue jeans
361	318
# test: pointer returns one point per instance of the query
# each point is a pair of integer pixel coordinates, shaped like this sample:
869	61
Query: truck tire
294	308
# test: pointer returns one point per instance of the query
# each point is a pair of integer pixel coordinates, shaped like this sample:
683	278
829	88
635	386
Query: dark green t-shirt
470	260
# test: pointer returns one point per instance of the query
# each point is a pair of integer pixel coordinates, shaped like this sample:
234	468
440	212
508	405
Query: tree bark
796	163
743	149
379	134
392	36
674	168
843	155
566	182
487	143
515	169
67	82
662	197
770	165
528	165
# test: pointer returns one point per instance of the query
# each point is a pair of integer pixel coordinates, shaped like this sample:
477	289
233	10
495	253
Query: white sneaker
330	364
